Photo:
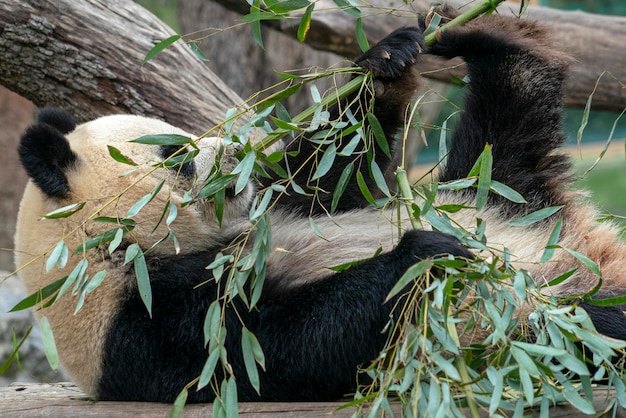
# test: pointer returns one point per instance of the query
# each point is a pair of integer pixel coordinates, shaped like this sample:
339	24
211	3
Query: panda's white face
110	187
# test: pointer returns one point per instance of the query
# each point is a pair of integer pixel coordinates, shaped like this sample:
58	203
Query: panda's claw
394	54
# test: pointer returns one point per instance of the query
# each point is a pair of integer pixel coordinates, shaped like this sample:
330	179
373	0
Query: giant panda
315	326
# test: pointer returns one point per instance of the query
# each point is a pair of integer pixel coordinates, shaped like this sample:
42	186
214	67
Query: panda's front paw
394	54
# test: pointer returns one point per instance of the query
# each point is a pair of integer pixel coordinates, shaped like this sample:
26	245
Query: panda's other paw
426	244
394	54
446	12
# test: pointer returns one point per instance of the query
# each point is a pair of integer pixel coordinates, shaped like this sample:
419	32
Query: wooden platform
65	400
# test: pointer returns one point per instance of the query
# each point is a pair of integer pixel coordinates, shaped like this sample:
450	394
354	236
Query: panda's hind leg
513	103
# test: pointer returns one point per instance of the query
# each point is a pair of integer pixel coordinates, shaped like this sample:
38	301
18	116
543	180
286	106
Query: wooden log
66	400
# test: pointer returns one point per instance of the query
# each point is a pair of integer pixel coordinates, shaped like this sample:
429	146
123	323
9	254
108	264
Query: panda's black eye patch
182	162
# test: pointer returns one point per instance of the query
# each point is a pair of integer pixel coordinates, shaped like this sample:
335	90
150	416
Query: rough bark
594	41
87	56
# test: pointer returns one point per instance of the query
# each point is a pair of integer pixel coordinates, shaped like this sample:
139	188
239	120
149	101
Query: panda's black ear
46	155
59	119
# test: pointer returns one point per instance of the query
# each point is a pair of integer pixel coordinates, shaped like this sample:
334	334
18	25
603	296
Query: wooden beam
66	400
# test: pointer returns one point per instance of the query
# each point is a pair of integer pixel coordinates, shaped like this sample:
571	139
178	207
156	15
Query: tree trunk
86	56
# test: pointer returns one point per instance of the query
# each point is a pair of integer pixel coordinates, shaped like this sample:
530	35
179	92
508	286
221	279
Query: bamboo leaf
363	187
379	178
361	38
244	169
209	368
379	134
506	192
141	273
553	240
58	256
412	273
305	23
117	155
346	174
162	139
158	48
484	178
39	296
49	345
179	404
326	162
535	217
65	211
248	359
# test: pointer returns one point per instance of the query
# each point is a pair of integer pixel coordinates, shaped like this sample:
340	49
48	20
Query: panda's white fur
341	318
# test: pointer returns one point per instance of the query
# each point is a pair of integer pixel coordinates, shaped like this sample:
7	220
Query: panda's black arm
391	63
512	103
314	338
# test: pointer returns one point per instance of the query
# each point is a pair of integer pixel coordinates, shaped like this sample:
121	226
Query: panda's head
72	164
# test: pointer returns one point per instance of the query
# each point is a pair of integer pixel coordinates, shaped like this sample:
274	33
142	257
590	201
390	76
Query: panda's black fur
317	328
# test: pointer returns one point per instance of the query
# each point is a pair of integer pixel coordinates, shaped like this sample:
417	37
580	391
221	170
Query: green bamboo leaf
346	174
163	139
573	397
571	363
326	162
363	187
213	316
287	6
496	379
586	261
248	359
58	257
134	210
484	178
305	23
219	201
197	51
256	22
141	274
379	178
348	8
506	192
553	241
361	38
230	405
95	281
158	48
16	348
100	239
315	228
527	385
244	169
209	368
412	273
37	297
612	301
446	366
214	185
257	211
49	345
179	404
379	134
117	155
65	211
535	217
